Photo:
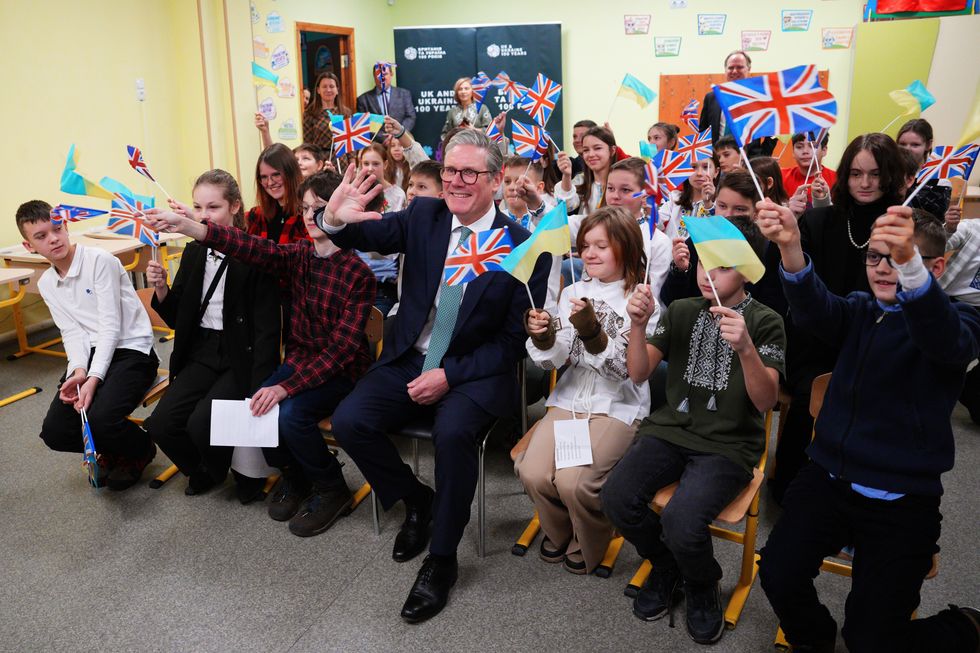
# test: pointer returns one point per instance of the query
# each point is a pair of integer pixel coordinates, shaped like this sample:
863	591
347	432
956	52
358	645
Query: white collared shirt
95	305
484	223
213	314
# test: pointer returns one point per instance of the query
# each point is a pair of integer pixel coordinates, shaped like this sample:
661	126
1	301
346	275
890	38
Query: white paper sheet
572	444
232	425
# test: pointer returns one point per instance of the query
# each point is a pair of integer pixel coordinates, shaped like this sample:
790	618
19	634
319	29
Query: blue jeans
300	440
679	536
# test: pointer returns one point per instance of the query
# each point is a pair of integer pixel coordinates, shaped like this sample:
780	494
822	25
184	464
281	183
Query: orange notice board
677	90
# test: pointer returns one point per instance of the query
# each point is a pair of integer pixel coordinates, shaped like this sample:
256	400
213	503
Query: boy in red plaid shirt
331	292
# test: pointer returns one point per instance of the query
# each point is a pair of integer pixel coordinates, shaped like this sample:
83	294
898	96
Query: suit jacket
711	115
400	107
250	317
488	340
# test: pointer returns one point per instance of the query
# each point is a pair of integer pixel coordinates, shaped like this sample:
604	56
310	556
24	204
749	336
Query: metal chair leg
415	457
375	512
482	503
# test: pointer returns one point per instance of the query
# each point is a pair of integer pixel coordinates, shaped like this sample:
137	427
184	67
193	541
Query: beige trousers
567	500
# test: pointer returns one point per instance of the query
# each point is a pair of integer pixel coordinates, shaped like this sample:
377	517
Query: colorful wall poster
711	24
837	38
259	49
797	20
273	22
756	40
285	88
666	46
280	57
636	23
287	131
267	107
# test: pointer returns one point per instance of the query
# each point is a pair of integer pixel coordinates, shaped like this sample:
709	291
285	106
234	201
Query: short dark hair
891	170
429	169
930	234
378	202
748	59
32	212
318	153
726	141
911	162
585	123
322	184
811	137
522	163
766	167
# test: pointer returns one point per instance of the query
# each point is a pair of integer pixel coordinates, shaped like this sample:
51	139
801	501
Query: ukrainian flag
634	89
551	235
914	98
720	244
262	76
647	150
74	183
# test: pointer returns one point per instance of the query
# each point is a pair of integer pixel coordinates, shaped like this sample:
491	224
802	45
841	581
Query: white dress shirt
95	305
213	314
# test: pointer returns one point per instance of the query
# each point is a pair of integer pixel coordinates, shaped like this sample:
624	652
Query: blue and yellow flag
720	244
552	235
74	183
263	76
914	98
647	150
634	89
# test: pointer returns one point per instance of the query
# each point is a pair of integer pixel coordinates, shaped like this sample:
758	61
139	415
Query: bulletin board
677	90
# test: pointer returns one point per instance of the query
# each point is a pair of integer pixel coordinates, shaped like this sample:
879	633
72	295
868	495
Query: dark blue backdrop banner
431	59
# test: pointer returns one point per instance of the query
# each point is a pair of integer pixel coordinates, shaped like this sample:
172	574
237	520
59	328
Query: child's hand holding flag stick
139	165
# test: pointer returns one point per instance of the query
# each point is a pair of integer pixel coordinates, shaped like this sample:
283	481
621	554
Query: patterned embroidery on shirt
660	330
612	323
774	352
975	284
709	362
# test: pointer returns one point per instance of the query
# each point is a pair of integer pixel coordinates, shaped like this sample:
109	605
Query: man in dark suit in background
738	65
397	100
452	355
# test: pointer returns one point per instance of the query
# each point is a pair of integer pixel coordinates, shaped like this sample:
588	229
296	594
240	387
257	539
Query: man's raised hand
348	204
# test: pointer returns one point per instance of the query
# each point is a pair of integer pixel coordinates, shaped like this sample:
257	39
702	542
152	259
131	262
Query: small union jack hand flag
530	141
787	102
493	133
651	190
514	90
480	84
67	213
674	169
960	164
125	219
695	147
137	162
351	134
690	114
540	100
481	252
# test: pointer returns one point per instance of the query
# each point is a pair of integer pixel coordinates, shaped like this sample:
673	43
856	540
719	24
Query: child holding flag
109	343
589	334
915	136
726	361
882	441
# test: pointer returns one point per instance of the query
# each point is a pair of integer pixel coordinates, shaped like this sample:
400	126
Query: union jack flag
787	102
695	147
124	219
480	84
351	134
960	164
481	252
515	90
690	114
540	100
67	213
674	169
493	133
137	162
529	140
651	189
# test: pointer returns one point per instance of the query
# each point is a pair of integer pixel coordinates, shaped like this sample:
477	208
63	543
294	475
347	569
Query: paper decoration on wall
273	22
255	13
287	131
837	38
756	40
796	20
666	46
285	88
267	107
259	49
280	58
711	24
636	23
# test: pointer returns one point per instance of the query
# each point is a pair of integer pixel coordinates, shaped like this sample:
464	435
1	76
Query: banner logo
493	50
505	50
411	54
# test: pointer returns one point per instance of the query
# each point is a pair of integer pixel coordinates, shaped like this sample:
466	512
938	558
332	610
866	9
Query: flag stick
782	147
612	106
892	122
806	180
959	202
169	196
711	283
530	298
529	163
929	176
748	166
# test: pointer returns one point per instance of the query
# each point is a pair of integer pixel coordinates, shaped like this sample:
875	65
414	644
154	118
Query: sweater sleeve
946	333
813	307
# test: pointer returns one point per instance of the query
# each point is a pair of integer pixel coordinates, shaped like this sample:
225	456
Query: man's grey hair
495	159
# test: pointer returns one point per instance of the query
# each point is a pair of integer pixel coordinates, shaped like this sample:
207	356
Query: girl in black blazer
226	317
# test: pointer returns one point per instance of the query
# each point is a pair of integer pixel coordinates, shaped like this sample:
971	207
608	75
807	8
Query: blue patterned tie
450	298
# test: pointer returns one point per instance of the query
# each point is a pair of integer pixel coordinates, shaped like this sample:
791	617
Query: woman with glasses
276	215
870	178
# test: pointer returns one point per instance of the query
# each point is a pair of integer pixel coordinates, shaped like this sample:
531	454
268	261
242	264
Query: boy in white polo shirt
107	336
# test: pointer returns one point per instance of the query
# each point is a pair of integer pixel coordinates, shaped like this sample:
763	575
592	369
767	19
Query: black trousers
790	456
181	422
893	541
130	375
379	404
970	397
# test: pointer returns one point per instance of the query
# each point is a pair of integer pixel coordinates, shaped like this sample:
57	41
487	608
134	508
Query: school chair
374	332
21	277
841	566
744	507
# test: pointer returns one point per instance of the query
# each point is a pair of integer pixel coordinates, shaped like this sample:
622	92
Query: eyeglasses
873	258
468	176
265	179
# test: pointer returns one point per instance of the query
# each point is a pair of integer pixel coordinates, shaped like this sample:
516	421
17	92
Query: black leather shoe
413	536
431	589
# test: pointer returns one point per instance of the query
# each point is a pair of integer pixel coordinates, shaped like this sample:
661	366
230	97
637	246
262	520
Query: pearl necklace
850	236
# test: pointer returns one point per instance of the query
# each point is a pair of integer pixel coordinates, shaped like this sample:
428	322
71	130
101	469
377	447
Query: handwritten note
572	444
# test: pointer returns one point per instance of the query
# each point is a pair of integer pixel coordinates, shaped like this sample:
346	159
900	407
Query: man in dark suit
398	101
452	355
738	65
